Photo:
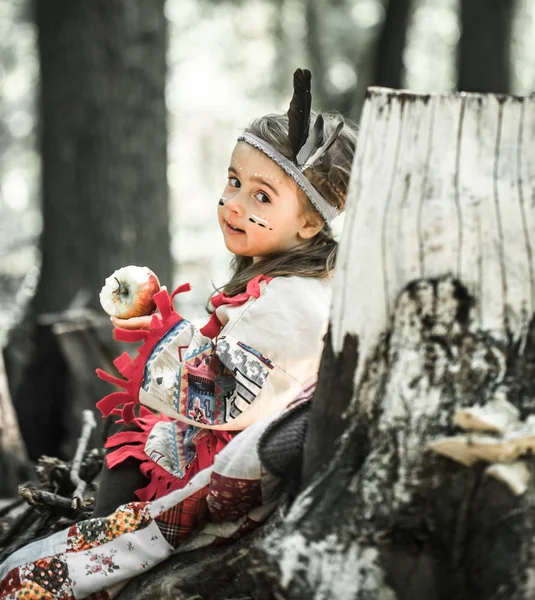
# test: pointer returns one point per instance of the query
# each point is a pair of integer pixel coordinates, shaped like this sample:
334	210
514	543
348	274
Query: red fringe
132	444
133	370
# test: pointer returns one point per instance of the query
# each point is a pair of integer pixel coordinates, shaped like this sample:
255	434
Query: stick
89	424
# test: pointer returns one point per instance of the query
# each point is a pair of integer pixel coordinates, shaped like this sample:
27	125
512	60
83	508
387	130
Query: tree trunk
13	458
316	53
485	46
389	67
433	314
104	190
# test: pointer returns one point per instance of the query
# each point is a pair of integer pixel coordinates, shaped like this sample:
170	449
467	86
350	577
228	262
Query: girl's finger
133	323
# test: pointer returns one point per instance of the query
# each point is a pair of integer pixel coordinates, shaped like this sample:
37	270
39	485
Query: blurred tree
485	45
391	44
316	54
104	188
352	45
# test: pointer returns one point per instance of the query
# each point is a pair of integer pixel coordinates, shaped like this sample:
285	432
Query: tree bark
484	50
433	312
104	190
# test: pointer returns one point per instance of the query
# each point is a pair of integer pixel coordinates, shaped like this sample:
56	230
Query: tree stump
435	287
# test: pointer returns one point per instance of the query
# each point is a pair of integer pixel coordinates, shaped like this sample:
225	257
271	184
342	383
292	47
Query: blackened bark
328	419
485	46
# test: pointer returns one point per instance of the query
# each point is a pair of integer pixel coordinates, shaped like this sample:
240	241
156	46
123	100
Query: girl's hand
132	323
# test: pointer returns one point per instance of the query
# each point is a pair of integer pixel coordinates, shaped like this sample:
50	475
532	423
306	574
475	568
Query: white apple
128	292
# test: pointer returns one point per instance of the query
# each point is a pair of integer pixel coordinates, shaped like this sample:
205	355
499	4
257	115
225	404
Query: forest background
227	62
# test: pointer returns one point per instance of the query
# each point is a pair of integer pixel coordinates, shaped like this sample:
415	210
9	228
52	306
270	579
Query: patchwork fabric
10	584
246	526
180	520
50	573
101	554
109	565
95	532
231	498
46	578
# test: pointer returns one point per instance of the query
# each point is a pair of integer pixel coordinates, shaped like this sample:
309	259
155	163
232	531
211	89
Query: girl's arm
267	353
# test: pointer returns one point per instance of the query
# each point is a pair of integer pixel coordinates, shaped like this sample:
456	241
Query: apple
128	292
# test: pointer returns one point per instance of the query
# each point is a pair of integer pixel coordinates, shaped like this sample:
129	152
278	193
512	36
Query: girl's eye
261	197
234	182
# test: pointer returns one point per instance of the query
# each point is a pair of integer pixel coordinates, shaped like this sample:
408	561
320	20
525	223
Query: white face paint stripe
260	219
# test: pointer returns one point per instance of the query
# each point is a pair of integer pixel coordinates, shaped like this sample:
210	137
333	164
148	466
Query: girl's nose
235	204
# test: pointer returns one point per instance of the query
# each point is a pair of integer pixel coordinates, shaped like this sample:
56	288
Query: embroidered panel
171	447
168	339
194	392
250	370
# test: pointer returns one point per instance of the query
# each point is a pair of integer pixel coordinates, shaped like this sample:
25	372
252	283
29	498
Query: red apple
128	292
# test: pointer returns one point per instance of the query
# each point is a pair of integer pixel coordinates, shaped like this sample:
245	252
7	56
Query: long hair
330	176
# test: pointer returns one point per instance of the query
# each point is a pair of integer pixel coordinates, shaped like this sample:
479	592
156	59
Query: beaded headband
307	146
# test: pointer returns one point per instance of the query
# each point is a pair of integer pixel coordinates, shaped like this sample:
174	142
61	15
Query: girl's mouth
233	230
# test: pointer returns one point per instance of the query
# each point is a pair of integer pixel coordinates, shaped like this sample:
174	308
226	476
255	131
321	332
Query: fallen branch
60	505
89	424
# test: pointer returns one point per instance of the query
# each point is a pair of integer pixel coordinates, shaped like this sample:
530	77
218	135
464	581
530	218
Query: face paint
221	200
240	168
264	223
267	177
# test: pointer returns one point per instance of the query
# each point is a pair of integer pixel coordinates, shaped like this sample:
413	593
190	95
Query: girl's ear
312	226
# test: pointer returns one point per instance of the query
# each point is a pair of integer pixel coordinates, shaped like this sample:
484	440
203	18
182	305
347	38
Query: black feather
299	111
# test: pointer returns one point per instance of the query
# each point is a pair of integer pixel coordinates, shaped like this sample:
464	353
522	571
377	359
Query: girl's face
259	211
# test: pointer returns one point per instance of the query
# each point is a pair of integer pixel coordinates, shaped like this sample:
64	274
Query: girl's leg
117	486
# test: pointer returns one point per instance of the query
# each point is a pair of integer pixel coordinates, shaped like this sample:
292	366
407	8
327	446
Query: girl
215	389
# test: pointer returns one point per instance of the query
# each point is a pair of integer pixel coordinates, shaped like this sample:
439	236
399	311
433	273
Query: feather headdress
307	146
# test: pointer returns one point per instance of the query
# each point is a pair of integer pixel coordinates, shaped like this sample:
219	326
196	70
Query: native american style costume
216	391
221	387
